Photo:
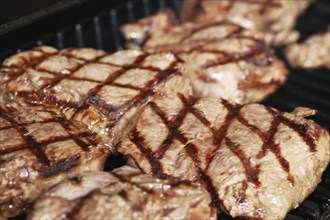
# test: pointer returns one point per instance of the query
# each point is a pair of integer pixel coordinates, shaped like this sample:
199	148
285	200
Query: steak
125	193
104	91
38	149
255	161
311	54
274	18
222	59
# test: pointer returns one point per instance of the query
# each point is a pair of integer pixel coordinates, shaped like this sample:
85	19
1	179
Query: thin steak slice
104	91
125	193
255	161
38	149
222	59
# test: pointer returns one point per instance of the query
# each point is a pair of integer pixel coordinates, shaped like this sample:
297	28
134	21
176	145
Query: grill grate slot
99	29
114	24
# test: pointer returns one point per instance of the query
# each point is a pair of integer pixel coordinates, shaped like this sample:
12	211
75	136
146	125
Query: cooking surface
11	11
96	25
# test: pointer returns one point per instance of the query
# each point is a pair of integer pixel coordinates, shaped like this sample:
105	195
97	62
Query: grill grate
95	24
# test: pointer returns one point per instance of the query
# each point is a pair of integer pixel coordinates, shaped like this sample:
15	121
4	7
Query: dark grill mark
31	62
199	44
82	139
226	57
233	112
203	177
251	172
301	129
173	128
31	143
229	58
76	138
146	92
220	135
195	31
61	166
156	167
113	113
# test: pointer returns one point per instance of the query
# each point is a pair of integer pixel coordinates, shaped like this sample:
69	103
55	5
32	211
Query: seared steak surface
311	54
38	149
104	91
274	18
255	161
125	193
222	59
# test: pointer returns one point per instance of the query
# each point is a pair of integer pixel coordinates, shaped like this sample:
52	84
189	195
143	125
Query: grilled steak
38	149
313	53
274	18
255	161
222	59
102	90
124	193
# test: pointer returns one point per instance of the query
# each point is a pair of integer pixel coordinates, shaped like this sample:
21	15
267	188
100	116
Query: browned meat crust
38	149
274	18
125	193
255	161
222	59
104	91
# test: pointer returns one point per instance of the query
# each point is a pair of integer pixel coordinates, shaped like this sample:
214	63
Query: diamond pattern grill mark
36	148
190	148
60	77
230	58
40	95
76	138
220	135
92	97
172	126
28	63
156	167
226	57
31	143
195	31
147	91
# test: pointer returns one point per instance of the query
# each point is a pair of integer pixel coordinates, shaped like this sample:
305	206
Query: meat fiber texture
125	193
104	91
38	149
222	59
255	161
274	18
311	54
